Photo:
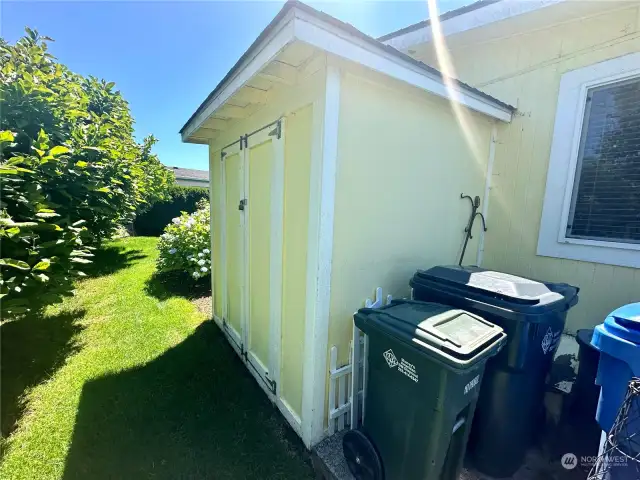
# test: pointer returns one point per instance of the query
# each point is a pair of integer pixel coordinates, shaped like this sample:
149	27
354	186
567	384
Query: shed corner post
326	113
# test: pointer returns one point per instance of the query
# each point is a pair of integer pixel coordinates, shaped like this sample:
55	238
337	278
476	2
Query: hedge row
181	199
71	172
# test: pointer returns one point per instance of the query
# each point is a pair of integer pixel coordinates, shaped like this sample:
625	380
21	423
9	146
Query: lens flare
445	65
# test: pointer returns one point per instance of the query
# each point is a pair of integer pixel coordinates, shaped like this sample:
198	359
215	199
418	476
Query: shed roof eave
299	22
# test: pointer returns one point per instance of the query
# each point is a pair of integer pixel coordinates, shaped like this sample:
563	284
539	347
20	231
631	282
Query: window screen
606	193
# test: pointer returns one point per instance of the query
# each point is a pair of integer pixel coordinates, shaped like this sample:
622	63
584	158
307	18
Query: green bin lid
455	335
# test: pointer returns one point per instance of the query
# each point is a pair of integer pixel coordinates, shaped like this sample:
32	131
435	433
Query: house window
605	203
591	206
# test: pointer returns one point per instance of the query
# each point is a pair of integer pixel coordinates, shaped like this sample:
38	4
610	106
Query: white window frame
552	239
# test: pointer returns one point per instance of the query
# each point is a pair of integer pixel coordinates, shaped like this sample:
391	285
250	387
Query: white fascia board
480	17
279	38
339	43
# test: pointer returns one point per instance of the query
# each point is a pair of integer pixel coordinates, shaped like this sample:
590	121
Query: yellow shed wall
402	164
524	70
296	104
298	140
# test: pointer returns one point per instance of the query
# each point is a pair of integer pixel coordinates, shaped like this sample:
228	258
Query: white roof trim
299	25
480	17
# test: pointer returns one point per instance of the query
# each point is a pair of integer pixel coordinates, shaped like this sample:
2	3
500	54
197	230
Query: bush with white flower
185	243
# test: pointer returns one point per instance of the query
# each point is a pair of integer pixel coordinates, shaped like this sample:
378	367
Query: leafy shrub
184	245
39	250
106	175
180	199
70	168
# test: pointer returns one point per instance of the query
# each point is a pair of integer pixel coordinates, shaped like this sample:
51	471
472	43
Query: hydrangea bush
184	245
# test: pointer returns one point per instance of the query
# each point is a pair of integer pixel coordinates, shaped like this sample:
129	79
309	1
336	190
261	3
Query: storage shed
337	165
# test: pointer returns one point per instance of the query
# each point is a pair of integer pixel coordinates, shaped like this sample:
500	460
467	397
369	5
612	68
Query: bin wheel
361	455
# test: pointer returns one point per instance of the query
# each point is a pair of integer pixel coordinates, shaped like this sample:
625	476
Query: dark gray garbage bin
533	315
424	368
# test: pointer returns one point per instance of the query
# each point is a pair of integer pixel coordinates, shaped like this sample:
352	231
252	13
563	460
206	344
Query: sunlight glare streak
445	65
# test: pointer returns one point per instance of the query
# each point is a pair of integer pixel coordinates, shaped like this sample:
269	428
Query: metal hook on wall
475	204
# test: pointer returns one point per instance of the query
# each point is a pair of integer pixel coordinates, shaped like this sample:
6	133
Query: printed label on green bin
408	369
404	367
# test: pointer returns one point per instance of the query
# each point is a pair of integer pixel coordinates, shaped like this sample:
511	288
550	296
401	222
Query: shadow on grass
164	285
32	349
194	412
109	259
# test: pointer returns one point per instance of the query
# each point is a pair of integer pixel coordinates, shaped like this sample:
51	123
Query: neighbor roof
445	16
348	29
190	174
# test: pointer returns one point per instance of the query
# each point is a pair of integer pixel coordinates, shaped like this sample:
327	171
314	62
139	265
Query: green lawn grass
127	381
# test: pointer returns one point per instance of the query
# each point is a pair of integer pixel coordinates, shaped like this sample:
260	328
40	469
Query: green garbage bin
424	368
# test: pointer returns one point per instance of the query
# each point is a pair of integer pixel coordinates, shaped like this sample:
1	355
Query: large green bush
39	248
180	199
71	172
185	244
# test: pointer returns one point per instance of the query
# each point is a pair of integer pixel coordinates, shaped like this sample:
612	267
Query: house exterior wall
192	183
524	70
296	105
402	164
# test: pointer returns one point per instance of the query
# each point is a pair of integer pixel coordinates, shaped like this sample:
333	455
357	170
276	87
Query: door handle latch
243	203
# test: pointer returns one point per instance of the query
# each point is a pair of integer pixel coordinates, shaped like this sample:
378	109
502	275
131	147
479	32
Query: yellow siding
260	160
402	164
525	71
234	242
294	274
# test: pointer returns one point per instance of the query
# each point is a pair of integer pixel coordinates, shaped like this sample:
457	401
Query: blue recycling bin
618	340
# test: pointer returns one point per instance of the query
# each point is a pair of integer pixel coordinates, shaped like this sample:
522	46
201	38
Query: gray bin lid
498	289
512	288
455	336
